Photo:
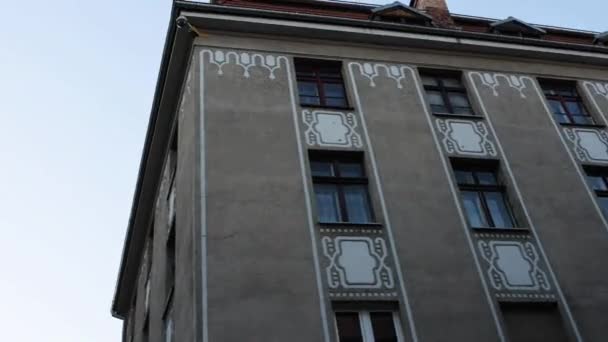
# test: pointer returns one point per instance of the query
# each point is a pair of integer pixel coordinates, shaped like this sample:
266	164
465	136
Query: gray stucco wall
261	281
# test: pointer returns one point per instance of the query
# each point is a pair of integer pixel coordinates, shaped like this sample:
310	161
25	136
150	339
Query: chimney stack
438	9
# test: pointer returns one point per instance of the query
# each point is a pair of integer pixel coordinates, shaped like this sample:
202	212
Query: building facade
332	171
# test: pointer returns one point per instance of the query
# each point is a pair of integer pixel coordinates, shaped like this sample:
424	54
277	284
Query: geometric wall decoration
590	145
326	128
513	265
465	137
245	60
357	263
397	73
492	80
600	88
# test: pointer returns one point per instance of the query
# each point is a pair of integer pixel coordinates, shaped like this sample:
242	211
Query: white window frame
365	322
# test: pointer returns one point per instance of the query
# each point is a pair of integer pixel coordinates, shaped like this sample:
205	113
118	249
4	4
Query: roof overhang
174	63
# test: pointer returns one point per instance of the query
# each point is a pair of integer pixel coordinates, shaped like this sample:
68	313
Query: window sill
517	230
459	116
565	124
327	107
377	225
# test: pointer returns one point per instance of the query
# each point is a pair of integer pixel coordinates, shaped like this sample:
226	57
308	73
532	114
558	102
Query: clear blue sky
76	86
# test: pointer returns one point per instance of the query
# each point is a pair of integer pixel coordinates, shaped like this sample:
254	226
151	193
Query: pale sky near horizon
76	85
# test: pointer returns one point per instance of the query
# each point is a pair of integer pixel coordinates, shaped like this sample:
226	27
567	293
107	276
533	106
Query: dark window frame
365	310
316	67
336	159
440	76
478	167
602	173
551	84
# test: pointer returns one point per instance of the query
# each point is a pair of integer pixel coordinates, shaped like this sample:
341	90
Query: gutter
178	45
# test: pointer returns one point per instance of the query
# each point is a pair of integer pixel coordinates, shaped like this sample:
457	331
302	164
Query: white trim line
389	231
507	166
203	199
311	224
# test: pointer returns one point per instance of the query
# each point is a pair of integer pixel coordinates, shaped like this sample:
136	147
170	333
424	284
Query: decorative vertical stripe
398	76
247	60
521	200
203	199
311	224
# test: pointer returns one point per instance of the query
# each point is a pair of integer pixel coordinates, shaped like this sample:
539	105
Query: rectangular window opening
565	102
484	198
529	322
445	92
341	188
370	322
320	83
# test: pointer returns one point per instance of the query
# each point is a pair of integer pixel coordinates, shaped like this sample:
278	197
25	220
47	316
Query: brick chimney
438	9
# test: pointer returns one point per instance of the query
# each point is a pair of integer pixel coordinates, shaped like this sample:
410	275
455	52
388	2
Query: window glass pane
473	209
459	100
383	326
435	98
321	169
327	203
498	210
597	183
307	100
486	178
582	120
575	108
562	118
430	81
349	328
463	110
464	177
452	82
566	91
439	109
335	102
603	202
357	203
307	89
334	90
556	107
351	170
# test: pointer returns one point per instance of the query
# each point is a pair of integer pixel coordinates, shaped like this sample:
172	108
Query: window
146	331
483	198
320	83
565	103
533	322
446	94
172	192
340	187
168	324
598	181
170	267
368	326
